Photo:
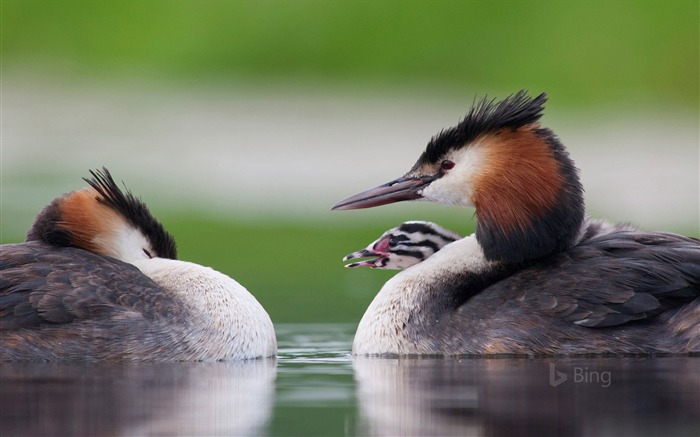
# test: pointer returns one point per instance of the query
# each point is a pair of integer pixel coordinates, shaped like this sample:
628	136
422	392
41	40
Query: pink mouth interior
379	250
382	247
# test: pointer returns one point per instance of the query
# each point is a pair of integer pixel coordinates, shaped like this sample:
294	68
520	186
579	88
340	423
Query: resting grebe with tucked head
97	280
537	276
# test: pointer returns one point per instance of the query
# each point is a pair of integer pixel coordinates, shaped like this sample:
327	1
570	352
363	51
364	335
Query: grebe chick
403	246
537	276
97	280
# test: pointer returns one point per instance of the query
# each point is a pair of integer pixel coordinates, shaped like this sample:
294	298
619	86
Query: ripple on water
315	365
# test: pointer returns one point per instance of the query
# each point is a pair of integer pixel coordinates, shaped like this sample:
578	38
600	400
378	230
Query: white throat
382	328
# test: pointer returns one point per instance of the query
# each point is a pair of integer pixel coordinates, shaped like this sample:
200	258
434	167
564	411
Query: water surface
315	387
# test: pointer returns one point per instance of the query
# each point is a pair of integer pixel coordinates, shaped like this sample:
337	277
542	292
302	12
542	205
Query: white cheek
449	191
132	244
457	185
126	244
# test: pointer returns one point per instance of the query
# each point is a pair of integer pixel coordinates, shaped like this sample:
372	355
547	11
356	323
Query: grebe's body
95	280
537	277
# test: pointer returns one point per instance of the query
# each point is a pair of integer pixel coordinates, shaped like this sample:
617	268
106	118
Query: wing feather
44	285
620	277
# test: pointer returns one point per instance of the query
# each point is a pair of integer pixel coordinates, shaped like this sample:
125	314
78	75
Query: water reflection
316	388
140	399
494	397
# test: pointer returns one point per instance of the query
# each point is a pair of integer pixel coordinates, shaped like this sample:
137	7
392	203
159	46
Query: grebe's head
499	160
105	220
403	246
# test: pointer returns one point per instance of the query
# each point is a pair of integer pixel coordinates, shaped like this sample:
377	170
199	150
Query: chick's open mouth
379	259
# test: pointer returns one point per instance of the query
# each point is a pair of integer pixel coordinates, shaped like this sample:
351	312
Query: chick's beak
380	258
364	253
403	188
378	250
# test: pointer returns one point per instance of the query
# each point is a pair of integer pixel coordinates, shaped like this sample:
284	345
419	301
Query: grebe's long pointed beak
403	188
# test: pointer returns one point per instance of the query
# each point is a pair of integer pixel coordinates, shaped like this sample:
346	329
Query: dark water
315	387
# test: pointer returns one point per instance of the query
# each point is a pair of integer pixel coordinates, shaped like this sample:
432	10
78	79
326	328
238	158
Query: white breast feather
229	322
381	330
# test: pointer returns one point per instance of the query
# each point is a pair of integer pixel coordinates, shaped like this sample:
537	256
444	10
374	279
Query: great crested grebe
403	246
537	276
96	279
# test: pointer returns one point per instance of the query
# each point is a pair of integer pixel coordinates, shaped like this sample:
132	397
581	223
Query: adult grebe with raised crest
537	276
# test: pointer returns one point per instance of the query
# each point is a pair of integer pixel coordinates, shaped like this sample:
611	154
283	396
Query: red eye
447	165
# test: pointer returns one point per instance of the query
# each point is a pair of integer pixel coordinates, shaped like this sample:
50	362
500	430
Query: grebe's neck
416	297
528	199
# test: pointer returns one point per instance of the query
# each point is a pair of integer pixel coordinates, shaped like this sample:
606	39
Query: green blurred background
583	52
613	70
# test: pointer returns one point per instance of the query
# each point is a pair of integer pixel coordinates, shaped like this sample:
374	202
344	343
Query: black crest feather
134	211
486	116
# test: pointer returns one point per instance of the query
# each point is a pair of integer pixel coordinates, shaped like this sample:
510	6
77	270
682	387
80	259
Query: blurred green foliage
584	51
